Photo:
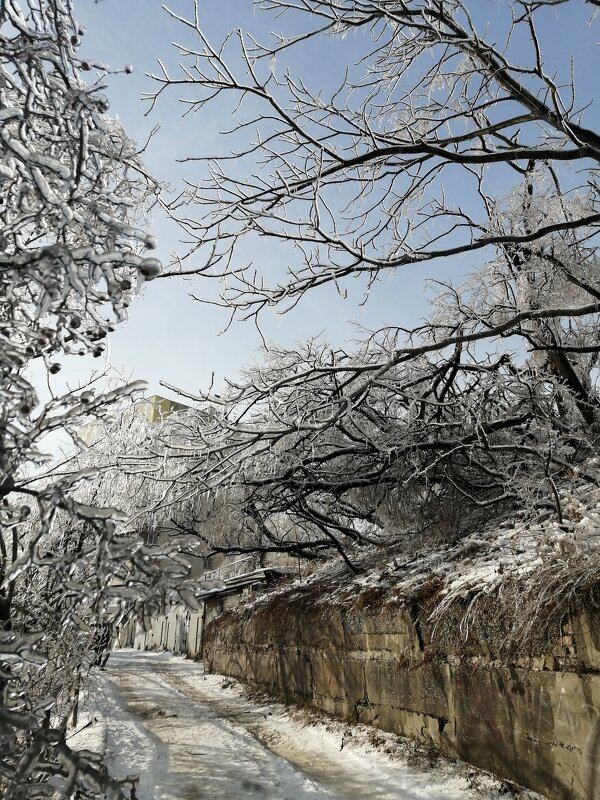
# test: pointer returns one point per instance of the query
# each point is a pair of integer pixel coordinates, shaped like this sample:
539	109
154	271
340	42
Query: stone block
338	678
586	636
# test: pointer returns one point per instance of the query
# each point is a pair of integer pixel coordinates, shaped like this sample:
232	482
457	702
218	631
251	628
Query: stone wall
533	719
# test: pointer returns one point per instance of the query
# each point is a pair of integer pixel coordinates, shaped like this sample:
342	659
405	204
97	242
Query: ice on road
189	736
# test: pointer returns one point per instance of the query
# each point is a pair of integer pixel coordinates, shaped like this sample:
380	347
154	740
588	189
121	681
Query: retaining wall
532	719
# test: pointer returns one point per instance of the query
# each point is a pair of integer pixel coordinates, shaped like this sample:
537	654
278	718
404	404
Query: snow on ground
189	736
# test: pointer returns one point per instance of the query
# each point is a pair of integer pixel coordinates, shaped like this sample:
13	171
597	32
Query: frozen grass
528	575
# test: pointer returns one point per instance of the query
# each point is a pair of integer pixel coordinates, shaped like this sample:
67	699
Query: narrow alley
191	736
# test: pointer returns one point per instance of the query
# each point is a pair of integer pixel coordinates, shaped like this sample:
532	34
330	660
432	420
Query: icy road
191	736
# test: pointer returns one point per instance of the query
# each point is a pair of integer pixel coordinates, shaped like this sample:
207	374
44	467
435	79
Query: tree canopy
446	138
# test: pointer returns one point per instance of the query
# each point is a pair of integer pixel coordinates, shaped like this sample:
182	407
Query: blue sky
171	337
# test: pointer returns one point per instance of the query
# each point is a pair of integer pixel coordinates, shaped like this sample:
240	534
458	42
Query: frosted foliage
135	460
71	185
536	202
121	494
139	466
318	450
442	138
73	197
167	480
393	159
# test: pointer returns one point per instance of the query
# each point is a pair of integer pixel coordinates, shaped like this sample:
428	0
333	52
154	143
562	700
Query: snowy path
192	736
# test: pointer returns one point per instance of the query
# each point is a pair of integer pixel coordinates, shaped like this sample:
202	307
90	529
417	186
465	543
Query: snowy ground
191	736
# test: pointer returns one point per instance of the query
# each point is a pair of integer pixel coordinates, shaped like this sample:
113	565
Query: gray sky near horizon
171	337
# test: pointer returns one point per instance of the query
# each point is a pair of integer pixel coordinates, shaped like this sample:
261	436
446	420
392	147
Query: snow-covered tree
72	253
394	162
445	136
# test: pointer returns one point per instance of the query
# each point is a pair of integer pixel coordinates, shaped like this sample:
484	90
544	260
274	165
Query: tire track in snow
192	736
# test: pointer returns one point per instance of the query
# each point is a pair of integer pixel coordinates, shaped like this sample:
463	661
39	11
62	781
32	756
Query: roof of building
262	575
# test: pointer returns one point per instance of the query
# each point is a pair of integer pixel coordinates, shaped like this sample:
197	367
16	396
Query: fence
179	631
